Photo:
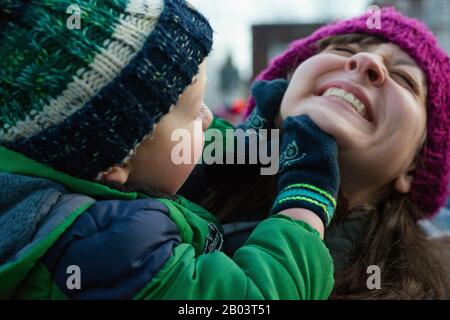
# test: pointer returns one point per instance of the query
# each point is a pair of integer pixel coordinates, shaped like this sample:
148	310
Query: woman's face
372	100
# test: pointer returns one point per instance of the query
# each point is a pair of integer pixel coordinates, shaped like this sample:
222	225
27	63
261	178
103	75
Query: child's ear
117	174
404	181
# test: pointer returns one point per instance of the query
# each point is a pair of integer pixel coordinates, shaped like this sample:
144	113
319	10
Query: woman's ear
404	181
117	174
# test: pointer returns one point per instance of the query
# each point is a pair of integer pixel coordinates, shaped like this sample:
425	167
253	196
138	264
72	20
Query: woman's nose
207	117
368	66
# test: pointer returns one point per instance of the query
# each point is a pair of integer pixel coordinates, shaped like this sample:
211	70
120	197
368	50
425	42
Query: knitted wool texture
430	184
81	101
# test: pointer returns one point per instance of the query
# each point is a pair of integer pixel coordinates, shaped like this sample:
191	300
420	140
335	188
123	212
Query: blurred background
249	33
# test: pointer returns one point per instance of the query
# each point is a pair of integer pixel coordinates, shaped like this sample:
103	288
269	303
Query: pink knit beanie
430	185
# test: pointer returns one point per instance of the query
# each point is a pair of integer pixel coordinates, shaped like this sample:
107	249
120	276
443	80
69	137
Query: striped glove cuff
309	197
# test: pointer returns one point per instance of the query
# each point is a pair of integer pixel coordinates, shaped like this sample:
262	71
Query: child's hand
309	172
268	96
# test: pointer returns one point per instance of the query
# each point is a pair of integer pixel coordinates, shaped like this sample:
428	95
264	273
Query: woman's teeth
348	97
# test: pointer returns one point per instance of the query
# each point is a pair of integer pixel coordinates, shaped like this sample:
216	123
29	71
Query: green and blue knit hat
82	100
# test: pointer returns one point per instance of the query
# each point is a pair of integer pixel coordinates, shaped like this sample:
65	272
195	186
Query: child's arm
134	250
282	259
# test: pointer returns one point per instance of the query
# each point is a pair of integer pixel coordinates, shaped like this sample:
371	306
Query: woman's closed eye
406	81
346	49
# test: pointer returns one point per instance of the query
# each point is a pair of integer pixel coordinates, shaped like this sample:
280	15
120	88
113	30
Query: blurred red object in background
234	112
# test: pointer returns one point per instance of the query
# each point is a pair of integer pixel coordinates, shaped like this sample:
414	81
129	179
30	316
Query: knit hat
430	185
82	100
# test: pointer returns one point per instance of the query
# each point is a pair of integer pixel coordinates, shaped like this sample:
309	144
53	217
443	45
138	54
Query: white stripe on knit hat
128	38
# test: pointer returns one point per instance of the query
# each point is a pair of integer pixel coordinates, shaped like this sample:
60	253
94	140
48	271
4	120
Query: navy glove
309	172
268	96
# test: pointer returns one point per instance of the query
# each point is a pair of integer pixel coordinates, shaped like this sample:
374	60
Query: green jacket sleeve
282	259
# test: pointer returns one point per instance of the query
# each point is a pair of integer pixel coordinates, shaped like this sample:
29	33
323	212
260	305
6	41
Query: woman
393	152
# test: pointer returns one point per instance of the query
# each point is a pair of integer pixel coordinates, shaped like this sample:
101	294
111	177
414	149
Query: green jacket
128	245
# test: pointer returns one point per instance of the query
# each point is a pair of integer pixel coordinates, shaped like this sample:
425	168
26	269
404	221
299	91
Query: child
88	204
380	93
